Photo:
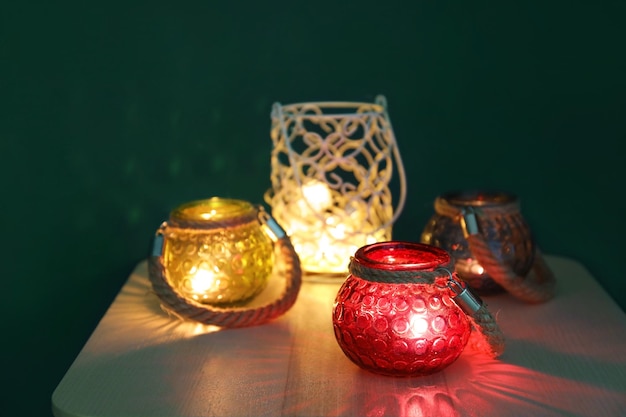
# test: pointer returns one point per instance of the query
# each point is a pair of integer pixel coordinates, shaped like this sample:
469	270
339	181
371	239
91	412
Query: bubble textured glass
503	227
399	329
215	251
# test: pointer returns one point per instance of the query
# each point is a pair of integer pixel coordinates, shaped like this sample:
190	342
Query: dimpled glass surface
238	261
507	233
398	329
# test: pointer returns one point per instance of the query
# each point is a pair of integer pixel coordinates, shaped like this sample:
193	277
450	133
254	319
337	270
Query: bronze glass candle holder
491	242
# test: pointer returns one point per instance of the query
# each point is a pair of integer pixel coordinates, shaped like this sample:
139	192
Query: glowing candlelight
212	257
395	314
323	236
332	164
492	243
215	251
200	281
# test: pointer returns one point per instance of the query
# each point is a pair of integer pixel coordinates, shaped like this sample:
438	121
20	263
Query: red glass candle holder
395	314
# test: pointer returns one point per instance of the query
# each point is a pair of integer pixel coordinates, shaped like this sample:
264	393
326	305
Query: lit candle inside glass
201	281
323	235
468	267
216	252
399	326
332	165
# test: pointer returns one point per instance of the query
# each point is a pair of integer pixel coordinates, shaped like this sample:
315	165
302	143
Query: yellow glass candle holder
216	252
214	256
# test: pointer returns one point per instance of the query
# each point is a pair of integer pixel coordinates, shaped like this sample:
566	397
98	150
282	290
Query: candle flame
419	326
325	228
317	195
208	215
202	280
477	269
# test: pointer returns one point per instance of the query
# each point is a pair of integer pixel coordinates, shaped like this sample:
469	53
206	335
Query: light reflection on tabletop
294	366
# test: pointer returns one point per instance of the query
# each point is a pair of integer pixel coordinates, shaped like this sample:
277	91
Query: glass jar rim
401	256
211	211
480	198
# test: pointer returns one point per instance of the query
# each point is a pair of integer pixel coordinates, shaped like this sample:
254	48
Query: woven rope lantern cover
332	165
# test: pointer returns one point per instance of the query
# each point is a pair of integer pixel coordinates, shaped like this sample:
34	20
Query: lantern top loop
340	109
381	100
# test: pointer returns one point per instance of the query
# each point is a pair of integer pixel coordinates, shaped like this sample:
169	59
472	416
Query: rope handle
486	335
190	309
229	317
538	286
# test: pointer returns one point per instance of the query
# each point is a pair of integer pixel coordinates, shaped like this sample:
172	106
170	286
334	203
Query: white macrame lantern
332	165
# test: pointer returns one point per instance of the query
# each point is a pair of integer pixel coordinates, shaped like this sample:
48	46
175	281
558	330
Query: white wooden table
564	358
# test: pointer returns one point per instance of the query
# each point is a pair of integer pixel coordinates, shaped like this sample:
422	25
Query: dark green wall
111	114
